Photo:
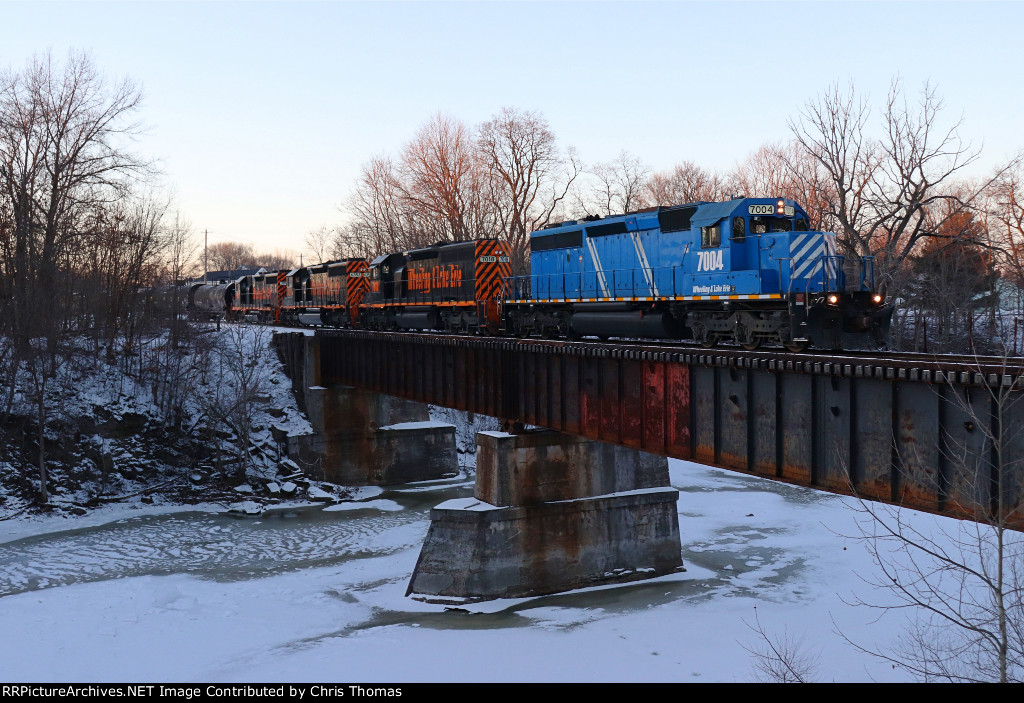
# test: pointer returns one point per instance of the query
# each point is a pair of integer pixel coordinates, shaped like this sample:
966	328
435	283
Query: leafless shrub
780	658
959	582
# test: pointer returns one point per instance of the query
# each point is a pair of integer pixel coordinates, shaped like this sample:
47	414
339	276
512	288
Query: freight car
448	287
747	271
210	301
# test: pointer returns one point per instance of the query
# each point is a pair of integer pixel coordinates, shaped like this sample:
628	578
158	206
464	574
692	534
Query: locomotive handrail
839	278
586	285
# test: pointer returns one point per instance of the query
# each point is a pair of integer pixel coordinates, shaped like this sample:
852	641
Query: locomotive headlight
833	299
877	298
780	207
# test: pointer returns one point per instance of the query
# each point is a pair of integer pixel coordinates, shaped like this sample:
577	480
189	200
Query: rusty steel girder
921	435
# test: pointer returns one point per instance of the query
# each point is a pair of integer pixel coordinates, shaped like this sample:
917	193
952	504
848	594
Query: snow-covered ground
198	600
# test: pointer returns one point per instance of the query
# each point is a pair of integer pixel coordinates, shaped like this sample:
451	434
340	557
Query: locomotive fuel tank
597	320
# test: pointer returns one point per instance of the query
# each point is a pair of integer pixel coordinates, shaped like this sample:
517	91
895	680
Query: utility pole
206	246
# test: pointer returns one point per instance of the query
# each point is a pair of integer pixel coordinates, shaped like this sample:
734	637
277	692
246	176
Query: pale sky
261	113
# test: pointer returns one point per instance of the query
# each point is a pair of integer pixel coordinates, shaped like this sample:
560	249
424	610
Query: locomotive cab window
739	229
764	225
802	225
711	237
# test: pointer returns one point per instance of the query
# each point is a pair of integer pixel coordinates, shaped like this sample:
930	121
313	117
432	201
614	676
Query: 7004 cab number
761	209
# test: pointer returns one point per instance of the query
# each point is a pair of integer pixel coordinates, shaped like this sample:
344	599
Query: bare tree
961	581
685	183
785	170
883	190
527	181
128	240
64	135
442	179
84	160
951	284
618	185
239	378
383	219
764	174
832	131
1006	232
228	256
277	260
321	243
181	254
170	369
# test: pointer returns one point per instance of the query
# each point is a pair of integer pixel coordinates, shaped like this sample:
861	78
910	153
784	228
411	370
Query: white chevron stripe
644	264
804	248
796	242
598	269
803	262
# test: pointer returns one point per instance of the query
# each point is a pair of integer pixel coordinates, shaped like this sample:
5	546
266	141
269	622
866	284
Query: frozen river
224	546
318	594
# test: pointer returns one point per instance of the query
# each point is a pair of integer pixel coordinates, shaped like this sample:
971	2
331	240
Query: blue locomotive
749	271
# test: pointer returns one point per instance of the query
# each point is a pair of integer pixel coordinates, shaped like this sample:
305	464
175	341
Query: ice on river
317	595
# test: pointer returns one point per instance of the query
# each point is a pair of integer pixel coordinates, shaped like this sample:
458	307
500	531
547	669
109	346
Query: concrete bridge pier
362	437
366	438
551	512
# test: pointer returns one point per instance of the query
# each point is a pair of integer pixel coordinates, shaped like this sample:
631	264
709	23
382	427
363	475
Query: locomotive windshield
764	225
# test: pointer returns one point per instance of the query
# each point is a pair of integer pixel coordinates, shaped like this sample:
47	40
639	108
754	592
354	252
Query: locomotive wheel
795	346
746	338
704	337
